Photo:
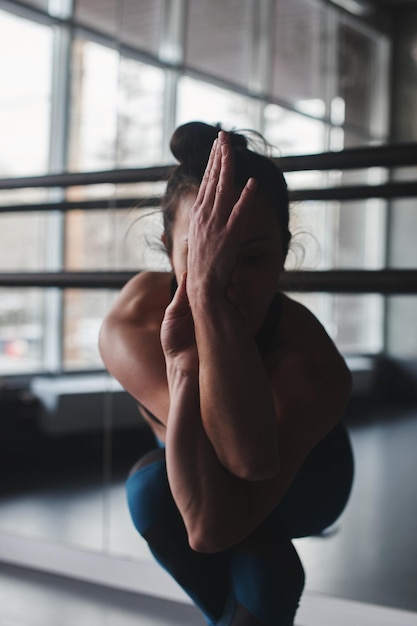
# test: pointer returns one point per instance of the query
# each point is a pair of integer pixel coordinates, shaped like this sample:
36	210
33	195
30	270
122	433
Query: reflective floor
370	555
29	598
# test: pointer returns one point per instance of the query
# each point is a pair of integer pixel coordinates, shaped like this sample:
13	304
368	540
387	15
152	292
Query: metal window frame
170	58
52	356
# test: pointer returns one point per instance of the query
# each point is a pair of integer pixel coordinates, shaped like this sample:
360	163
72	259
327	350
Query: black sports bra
264	337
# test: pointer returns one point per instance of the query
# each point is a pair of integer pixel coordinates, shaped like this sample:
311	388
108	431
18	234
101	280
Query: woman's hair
191	145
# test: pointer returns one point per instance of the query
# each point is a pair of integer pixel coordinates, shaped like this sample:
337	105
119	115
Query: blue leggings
260	580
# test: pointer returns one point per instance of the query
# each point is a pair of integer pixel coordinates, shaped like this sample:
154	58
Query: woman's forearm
237	407
196	477
218	508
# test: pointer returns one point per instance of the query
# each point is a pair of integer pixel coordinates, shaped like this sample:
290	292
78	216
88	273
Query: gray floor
370	555
29	598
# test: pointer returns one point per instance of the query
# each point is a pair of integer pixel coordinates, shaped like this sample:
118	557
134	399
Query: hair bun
195	138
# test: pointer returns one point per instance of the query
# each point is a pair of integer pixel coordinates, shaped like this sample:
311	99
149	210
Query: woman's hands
177	332
216	219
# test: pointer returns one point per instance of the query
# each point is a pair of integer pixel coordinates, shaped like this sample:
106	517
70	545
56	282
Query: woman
241	385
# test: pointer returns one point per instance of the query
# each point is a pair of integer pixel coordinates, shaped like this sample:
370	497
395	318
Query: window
94	107
218	36
292	133
83	313
123	239
357	75
117	110
25	109
211	104
137	24
25	52
117	121
299	55
21	330
321	88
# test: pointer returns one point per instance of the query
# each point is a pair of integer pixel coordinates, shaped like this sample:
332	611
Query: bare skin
236	427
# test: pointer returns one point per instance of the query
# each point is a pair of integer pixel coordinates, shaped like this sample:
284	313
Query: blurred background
90	92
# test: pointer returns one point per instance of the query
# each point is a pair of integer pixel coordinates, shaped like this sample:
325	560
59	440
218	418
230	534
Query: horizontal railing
386	191
389	156
85	205
331	281
395	156
393	281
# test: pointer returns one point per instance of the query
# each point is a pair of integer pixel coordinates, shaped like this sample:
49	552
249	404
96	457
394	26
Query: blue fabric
266	588
264	573
146	495
156	517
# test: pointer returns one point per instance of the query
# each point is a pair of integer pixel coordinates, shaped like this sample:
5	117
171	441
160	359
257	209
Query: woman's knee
268	579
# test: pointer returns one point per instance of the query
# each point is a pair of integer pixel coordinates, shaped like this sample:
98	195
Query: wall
402	311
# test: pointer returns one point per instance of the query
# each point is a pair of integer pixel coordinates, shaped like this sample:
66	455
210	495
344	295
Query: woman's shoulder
305	344
298	325
144	298
147	282
288	324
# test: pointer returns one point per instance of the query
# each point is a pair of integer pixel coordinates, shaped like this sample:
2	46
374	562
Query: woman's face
259	263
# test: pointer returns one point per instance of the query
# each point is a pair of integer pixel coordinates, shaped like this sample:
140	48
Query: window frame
170	58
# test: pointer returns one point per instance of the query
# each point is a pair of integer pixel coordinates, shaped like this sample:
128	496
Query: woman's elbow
254	467
209	530
203	544
207	541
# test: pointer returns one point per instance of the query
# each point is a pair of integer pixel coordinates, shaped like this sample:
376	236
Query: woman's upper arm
129	343
310	380
122	322
311	386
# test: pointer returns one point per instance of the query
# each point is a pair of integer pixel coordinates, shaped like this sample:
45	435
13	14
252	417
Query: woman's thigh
320	491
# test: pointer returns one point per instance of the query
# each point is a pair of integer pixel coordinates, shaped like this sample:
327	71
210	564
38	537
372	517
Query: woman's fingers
207	173
218	176
225	192
213	176
217	194
179	304
244	204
